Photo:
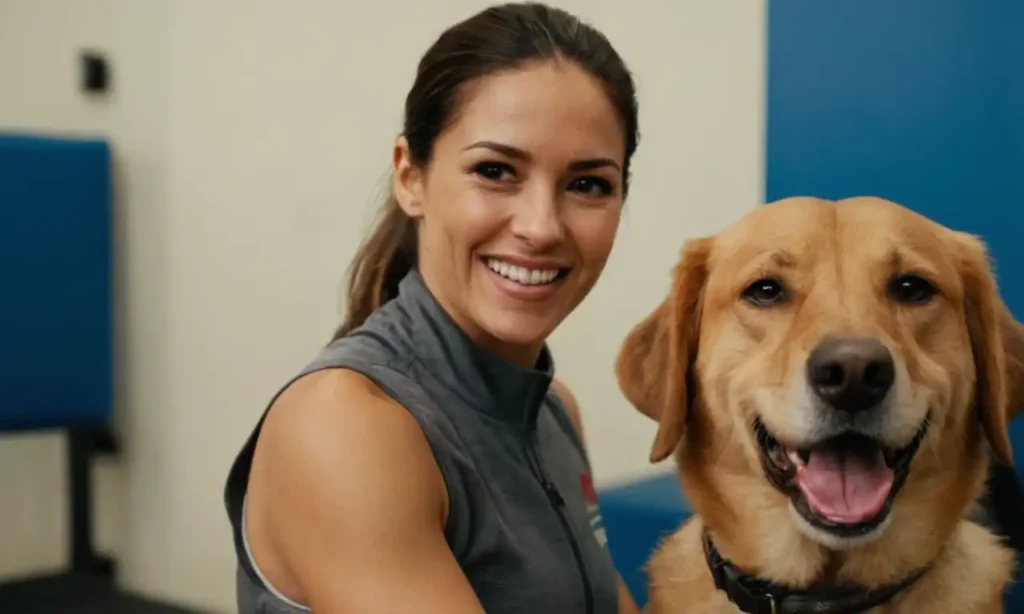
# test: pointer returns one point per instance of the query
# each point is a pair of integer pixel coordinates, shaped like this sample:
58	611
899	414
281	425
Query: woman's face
520	203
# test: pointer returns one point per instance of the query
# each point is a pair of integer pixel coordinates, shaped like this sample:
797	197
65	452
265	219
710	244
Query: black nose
851	374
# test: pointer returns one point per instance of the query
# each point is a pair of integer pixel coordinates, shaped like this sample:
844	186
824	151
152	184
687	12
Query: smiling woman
427	456
528	181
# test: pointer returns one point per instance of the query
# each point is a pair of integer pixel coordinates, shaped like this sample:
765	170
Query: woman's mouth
535	283
524	275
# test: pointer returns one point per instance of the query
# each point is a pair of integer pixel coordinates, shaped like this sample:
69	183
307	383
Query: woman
427	461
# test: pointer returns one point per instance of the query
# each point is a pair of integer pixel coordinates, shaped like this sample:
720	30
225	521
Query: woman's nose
536	221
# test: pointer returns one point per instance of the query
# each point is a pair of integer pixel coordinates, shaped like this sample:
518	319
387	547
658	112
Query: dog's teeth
778	455
796	457
803	457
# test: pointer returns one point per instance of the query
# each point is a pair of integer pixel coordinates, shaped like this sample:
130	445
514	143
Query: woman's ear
654	365
407	179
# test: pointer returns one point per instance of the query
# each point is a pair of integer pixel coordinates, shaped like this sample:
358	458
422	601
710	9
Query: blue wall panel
920	101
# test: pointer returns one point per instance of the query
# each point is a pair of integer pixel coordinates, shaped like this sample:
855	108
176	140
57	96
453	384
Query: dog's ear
654	364
997	343
1013	346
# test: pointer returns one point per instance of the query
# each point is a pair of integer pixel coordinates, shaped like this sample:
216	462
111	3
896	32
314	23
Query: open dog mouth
844	485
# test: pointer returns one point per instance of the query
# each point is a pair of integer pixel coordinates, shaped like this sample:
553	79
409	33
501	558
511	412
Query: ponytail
383	260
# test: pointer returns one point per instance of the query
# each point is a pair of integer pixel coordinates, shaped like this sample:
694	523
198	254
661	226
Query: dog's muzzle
844	482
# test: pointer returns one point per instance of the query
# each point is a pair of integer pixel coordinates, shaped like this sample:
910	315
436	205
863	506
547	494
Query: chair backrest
55	282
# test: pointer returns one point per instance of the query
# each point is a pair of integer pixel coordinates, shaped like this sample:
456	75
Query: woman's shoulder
336	431
339	466
331	407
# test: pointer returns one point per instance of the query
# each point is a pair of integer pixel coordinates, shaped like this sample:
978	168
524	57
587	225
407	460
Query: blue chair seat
636	518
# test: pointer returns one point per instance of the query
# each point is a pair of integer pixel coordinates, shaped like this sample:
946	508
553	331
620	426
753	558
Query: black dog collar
756	596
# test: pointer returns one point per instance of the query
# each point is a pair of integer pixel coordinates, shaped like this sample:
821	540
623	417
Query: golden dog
834	379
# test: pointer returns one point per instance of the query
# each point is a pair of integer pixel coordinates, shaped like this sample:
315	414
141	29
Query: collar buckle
766	603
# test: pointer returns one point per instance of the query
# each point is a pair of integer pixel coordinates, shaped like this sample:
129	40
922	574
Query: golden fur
704	362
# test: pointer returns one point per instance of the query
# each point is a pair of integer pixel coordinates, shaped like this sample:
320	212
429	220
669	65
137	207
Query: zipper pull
553	494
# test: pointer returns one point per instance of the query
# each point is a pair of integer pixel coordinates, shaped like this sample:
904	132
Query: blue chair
636	518
56	348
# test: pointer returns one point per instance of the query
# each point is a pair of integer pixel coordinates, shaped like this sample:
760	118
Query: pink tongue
843	486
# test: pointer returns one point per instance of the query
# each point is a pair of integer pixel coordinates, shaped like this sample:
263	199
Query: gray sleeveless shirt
524	523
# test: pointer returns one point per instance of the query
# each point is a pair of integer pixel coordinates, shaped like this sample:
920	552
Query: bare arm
350	506
626	603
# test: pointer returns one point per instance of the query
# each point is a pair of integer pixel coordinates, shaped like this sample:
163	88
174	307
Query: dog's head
838	352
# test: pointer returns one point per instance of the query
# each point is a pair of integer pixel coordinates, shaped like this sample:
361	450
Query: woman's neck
521	355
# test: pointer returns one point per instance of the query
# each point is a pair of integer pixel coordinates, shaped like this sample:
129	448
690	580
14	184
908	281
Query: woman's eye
494	171
591	186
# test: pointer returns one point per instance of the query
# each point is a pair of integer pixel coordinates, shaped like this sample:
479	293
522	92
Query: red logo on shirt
593	511
587	486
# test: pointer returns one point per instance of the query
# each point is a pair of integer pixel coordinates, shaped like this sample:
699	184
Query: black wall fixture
95	72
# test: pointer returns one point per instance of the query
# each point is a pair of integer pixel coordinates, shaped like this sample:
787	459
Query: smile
523	275
844	485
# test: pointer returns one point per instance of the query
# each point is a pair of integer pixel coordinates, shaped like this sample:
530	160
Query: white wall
251	139
39	43
699	67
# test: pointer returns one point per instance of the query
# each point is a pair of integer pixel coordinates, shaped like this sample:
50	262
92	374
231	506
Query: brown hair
498	38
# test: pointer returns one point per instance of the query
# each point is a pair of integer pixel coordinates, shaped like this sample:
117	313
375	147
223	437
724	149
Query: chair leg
83	446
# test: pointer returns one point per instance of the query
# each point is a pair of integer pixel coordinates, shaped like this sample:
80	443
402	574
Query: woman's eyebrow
519	154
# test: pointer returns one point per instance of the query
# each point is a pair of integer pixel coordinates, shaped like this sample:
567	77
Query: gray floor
110	605
67	594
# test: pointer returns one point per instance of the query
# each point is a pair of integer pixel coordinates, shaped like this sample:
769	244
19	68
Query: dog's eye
765	293
911	290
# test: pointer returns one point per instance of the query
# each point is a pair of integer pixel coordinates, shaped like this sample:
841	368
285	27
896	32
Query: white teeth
523	275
